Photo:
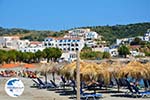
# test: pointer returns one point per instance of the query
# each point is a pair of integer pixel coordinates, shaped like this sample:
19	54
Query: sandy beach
43	94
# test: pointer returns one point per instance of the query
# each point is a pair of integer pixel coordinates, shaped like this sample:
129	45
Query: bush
91	55
106	55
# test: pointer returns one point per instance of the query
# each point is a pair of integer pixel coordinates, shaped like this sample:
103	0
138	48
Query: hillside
109	33
32	35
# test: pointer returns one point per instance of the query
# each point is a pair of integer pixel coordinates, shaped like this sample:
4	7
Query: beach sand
30	93
43	94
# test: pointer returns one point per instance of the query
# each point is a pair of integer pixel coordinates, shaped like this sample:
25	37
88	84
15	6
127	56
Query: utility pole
78	75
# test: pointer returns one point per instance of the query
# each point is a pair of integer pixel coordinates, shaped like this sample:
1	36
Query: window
72	49
69	40
68	49
68	44
77	44
77	49
72	44
49	44
60	40
64	44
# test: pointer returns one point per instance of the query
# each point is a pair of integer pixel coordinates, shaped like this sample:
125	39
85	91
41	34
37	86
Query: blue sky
66	14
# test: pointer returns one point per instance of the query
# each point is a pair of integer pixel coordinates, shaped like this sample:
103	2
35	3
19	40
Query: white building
124	41
146	36
78	32
33	47
136	53
69	46
85	33
65	44
69	56
91	35
6	41
22	44
90	43
114	52
13	42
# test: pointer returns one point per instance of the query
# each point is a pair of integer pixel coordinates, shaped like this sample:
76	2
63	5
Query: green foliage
31	35
3	56
11	55
52	53
94	55
123	50
109	33
147	53
86	49
39	54
138	41
29	57
106	55
91	55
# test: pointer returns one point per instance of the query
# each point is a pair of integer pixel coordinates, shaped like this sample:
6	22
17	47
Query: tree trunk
53	74
118	87
46	78
47	60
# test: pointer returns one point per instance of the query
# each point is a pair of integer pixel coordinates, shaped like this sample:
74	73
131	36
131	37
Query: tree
123	51
39	54
3	56
19	56
136	41
52	53
31	57
11	56
56	53
25	57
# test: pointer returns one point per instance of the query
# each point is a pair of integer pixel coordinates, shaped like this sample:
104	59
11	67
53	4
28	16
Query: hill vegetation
109	33
32	35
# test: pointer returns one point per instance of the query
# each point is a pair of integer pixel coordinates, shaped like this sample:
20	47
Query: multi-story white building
69	46
22	44
13	42
6	41
85	33
33	47
65	44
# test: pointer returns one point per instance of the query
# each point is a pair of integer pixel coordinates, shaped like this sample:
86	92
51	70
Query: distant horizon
59	15
69	28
